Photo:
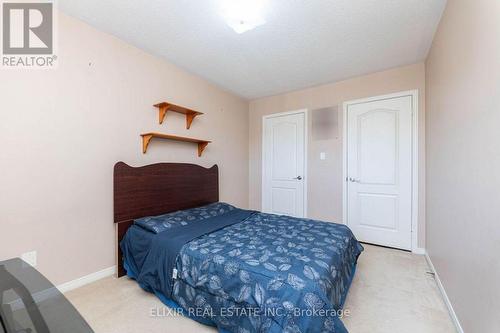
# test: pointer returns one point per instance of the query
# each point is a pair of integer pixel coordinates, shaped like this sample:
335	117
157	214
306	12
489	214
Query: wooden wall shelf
164	107
146	139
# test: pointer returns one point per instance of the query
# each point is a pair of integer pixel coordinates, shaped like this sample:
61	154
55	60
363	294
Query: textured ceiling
304	43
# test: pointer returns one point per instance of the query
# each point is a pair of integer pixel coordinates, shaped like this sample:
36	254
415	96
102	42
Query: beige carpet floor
391	292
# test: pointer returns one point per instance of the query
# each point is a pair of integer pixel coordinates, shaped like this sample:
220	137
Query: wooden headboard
158	189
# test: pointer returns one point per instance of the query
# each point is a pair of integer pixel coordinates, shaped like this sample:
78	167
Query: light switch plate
322	156
30	258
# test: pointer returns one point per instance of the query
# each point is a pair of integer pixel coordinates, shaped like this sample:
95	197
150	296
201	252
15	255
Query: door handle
354	180
298	178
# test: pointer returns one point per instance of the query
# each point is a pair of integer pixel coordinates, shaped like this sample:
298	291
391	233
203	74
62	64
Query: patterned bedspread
268	273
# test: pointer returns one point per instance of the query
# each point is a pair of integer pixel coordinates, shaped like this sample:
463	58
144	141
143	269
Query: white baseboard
65	287
419	250
453	315
80	282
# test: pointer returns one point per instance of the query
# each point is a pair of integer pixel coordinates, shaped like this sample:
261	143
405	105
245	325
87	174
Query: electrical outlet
30	258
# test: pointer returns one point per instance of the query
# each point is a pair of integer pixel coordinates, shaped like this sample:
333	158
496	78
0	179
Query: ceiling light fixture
243	15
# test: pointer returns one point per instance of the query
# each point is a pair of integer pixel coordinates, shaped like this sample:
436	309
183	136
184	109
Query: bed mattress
258	273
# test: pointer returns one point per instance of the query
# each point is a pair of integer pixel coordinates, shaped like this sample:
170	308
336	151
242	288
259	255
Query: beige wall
325	176
63	130
463	160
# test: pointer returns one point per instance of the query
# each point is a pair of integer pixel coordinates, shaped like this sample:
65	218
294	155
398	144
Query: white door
284	142
379	171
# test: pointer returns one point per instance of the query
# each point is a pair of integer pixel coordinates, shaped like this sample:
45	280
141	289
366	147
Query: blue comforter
257	273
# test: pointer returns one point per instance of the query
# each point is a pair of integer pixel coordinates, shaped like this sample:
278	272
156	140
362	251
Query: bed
238	270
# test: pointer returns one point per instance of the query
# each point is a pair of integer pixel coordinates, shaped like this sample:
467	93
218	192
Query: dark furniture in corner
30	303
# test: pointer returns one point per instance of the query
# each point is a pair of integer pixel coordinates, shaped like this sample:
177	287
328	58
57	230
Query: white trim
344	163
419	250
286	113
415	159
43	295
446	300
84	280
306	144
415	172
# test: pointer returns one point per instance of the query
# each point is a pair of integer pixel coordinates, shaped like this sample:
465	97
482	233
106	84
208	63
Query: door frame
263	155
414	165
